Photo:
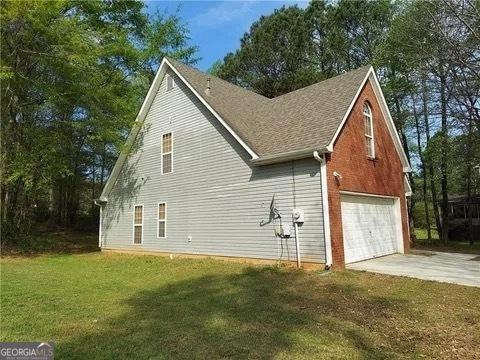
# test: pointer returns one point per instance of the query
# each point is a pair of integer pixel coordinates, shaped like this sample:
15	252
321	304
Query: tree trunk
424	172
92	208
102	170
469	181
433	189
444	153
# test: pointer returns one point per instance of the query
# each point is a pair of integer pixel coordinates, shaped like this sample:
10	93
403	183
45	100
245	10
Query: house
458	217
314	176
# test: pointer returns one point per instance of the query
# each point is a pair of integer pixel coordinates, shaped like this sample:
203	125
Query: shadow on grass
53	242
261	313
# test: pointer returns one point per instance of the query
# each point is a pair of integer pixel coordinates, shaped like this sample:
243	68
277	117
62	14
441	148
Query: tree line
74	73
427	55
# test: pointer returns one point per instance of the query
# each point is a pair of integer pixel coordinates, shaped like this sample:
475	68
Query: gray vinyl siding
215	195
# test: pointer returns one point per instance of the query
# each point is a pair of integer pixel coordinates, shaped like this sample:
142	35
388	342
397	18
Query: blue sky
217	26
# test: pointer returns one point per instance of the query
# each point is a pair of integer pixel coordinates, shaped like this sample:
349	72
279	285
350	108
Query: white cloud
223	13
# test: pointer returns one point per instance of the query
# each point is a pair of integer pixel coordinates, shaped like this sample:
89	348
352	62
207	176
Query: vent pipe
207	90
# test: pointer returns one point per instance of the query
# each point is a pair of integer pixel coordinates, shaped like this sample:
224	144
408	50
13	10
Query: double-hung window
162	220
167	152
138	224
369	141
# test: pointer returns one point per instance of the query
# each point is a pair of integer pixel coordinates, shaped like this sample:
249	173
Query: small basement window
162	220
369	141
170	82
138	224
167	152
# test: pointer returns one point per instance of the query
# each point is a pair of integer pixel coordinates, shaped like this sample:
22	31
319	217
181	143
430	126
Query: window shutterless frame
165	154
368	130
137	223
162	220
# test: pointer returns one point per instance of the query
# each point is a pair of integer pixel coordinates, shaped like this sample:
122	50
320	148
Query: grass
422	243
114	306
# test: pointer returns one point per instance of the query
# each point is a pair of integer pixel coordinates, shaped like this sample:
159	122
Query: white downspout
325	208
99	203
100	229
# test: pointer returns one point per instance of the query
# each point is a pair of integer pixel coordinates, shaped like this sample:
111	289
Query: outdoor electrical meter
298	216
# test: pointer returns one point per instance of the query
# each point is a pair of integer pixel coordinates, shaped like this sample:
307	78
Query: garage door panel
369	228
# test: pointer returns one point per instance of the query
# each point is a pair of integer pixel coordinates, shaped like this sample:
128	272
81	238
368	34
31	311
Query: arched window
369	141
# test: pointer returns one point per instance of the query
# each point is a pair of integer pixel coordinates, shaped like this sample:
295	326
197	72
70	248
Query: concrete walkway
462	269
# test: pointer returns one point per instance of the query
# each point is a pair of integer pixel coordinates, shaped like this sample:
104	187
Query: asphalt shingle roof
302	119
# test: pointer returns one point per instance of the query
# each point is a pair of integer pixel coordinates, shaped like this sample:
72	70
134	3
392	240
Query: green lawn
112	306
422	243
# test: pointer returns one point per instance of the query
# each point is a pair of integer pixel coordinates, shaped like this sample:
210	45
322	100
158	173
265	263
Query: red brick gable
382	175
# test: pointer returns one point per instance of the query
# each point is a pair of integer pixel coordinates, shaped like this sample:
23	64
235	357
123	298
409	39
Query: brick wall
383	176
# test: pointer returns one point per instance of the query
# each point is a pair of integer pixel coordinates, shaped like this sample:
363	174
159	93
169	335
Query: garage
370	227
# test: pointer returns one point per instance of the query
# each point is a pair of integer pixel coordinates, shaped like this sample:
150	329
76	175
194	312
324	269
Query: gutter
287	156
100	201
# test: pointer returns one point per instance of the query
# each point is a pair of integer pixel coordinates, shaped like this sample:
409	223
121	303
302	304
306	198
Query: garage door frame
397	213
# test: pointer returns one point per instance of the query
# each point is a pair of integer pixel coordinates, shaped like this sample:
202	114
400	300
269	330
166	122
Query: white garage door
369	228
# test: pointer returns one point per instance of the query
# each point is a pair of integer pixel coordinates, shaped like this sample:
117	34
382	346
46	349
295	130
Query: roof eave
288	156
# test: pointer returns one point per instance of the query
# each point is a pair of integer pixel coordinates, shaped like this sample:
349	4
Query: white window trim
164	220
370	136
162	153
143	217
169	76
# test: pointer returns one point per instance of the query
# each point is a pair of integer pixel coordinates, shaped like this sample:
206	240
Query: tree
73	74
438	40
355	29
215	68
426	54
273	56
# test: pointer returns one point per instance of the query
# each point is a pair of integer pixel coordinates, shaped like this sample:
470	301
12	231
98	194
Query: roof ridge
336	77
217	78
333	78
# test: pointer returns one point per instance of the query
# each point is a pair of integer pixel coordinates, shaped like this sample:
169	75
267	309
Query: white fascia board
390	124
135	130
157	81
349	110
120	161
252	153
386	114
408	188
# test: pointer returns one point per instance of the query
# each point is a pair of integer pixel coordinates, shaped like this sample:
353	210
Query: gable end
142	114
373	80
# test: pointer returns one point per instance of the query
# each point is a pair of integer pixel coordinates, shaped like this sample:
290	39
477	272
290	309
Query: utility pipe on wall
297	244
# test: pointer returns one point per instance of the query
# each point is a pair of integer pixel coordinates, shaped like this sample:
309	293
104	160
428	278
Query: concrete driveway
462	269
